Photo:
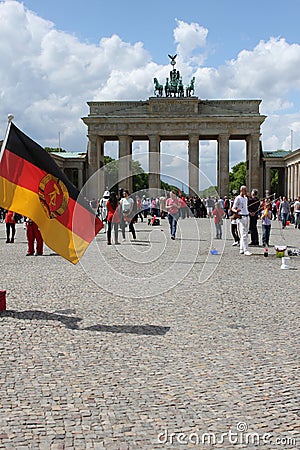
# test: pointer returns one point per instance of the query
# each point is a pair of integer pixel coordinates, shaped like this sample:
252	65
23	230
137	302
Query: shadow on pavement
153	330
69	322
72	322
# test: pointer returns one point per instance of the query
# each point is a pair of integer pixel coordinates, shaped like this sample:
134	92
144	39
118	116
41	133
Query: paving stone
199	343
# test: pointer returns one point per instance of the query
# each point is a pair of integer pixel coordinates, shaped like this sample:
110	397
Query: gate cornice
173	107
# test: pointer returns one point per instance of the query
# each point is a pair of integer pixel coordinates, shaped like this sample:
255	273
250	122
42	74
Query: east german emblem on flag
53	195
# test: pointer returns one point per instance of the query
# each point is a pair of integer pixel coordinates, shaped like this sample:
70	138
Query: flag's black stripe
23	146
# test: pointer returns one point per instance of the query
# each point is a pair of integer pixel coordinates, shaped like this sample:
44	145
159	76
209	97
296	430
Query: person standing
172	207
218	214
226	206
266	218
284	210
127	210
102	210
10	224
240	206
297	213
209	203
33	234
162	206
113	217
139	209
234	228
253	207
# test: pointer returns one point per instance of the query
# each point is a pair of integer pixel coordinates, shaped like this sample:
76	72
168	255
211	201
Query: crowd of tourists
243	210
124	210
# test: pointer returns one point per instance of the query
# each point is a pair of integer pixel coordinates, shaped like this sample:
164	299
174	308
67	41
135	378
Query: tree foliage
140	179
237	177
274	181
211	191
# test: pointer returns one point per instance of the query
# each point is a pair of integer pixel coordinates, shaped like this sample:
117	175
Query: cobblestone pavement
205	349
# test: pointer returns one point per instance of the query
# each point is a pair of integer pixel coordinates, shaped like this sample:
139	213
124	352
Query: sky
57	55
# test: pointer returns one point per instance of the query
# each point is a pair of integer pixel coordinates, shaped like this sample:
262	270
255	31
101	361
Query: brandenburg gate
175	117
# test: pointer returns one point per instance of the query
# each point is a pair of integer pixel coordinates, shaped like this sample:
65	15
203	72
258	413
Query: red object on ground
2	300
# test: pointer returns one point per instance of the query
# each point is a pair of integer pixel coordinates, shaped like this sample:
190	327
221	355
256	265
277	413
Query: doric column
223	164
267	181
288	190
292	180
100	164
80	177
95	156
253	179
193	151
296	182
92	153
125	163
154	161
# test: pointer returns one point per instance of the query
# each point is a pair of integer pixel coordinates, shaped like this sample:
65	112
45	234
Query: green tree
237	177
274	181
111	171
169	187
211	191
140	179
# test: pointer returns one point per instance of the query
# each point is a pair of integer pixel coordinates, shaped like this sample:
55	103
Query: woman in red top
10	227
113	217
218	214
172	207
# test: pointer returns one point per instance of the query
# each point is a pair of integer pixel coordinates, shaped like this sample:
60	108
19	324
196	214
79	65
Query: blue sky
57	55
233	25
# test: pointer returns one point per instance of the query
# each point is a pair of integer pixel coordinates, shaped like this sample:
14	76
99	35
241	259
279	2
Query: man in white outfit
102	209
240	207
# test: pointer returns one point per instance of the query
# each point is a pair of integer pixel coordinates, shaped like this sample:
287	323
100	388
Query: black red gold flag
31	184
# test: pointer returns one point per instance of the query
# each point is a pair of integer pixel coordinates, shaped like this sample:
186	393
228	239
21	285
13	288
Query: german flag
32	185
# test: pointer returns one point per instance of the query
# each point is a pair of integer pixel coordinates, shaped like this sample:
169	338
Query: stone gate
175	118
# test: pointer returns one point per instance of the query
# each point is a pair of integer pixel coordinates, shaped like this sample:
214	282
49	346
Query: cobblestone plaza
152	344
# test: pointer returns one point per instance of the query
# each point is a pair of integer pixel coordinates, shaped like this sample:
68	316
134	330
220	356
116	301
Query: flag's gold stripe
56	236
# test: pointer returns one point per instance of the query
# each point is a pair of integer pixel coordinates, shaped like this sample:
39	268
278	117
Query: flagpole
10	118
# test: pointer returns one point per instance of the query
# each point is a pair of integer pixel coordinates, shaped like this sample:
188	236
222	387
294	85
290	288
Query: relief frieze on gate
173	106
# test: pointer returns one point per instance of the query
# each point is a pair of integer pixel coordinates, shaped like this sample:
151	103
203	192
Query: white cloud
47	77
190	38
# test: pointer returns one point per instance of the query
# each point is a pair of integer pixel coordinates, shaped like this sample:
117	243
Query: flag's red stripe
25	174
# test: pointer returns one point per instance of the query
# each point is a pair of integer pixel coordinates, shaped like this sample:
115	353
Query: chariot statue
174	86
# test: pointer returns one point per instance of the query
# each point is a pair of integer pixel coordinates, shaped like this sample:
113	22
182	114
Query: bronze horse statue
190	88
158	88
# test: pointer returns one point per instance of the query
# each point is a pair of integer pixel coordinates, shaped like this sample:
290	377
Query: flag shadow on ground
68	321
71	322
153	330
